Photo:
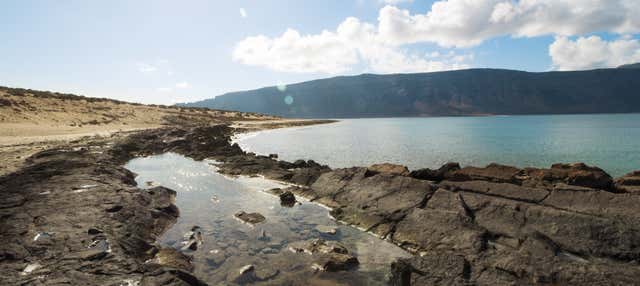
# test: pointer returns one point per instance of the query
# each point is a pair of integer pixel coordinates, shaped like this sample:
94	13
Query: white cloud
243	13
330	52
593	52
183	85
324	53
465	23
449	23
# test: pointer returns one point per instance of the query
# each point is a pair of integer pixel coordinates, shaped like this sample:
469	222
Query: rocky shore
73	215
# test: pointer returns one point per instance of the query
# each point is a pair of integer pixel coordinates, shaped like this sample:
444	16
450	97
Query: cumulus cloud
325	52
465	23
449	24
593	52
334	52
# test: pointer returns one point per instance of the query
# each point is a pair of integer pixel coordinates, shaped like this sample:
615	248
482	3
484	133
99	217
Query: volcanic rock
251	218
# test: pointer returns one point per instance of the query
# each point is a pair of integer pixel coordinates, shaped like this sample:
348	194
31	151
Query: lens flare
288	99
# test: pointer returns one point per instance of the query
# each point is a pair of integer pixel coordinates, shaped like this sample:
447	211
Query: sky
169	51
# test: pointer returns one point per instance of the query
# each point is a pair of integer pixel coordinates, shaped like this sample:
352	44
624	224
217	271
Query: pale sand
31	123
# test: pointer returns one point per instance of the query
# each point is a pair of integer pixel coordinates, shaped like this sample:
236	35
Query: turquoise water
610	141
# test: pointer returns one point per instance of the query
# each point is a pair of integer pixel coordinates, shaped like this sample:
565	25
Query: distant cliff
463	92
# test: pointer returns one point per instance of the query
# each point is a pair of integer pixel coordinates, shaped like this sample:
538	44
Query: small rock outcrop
440	174
629	183
251	218
287	199
327	255
391	169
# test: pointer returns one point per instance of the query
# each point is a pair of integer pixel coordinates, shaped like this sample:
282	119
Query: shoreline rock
569	224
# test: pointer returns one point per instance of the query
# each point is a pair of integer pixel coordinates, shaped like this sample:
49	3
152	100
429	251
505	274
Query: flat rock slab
506	190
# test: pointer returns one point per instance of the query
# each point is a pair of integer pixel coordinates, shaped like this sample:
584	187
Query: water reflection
210	200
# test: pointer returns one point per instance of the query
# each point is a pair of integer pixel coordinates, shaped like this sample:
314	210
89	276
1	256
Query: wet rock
263	236
273	156
269	250
173	258
391	169
333	262
192	239
251	218
216	259
264	274
94	231
287	199
244	275
327	255
326	229
440	174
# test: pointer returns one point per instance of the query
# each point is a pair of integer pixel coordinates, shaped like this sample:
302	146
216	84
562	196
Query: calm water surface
209	200
610	141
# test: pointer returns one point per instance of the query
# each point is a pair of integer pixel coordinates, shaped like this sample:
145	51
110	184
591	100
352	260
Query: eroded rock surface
75	216
498	225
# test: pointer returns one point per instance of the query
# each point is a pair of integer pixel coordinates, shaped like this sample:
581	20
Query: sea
609	141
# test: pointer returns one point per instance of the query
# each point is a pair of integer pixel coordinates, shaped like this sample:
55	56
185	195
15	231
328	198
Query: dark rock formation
252	218
74	216
494	225
287	199
436	175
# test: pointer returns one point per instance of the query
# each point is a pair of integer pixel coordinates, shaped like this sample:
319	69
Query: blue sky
174	51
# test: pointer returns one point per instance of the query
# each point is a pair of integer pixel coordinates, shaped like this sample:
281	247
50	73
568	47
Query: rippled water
209	200
610	141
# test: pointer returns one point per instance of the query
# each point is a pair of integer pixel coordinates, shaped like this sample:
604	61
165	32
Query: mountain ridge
480	91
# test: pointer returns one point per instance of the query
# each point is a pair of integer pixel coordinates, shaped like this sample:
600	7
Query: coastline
467	207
